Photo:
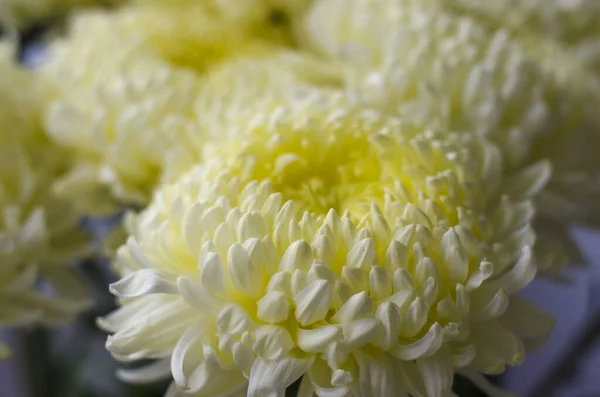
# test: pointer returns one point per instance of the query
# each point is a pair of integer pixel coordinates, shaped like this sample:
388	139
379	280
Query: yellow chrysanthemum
423	61
371	256
38	233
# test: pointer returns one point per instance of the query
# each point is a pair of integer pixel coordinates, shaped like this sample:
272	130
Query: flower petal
271	378
151	373
142	282
312	304
424	347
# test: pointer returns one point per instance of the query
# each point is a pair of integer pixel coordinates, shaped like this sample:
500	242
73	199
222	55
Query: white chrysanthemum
573	23
38	232
122	101
122	111
421	60
372	257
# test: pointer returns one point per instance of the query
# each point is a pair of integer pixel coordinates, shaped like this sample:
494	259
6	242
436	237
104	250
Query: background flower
39	236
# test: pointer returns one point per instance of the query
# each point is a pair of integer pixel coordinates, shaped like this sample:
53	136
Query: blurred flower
39	234
422	60
373	256
572	23
122	87
120	110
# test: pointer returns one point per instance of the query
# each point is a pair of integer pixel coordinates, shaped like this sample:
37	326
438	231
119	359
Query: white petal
272	342
273	307
380	283
336	354
403	281
454	257
377	376
142	282
396	256
316	340
360	332
312	304
234	320
358	306
246	277
271	378
322	380
424	347
485	270
138	254
210	380
530	181
437	374
493	309
390	317
191	336
362	255
196	296
341	293
520	275
319	271
191	229
243	357
297	256
150	373
299	281
280	281
211	275
415	319
356	278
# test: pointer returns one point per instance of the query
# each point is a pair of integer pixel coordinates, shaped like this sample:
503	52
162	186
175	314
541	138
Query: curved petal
147	374
271	378
424	347
143	282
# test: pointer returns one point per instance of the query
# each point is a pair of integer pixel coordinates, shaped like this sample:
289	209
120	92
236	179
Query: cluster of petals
525	95
122	87
368	256
571	23
38	232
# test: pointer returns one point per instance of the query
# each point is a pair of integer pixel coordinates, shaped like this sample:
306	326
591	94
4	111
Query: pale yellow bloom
122	88
573	23
370	255
423	60
39	234
120	109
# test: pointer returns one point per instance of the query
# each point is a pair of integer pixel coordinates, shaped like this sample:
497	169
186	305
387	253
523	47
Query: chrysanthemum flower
120	110
370	256
38	232
426	60
199	34
571	23
122	87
